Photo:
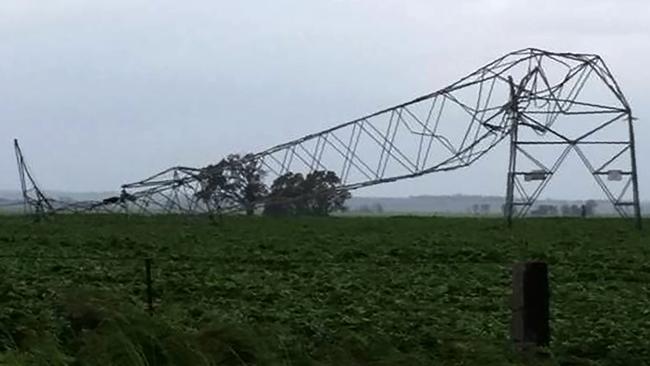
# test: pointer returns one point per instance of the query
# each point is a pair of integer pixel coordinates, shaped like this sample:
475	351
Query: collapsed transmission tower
545	104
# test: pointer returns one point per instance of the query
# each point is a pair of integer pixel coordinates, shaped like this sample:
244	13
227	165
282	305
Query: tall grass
95	329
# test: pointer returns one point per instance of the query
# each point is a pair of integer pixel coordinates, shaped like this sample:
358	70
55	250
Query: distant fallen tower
546	105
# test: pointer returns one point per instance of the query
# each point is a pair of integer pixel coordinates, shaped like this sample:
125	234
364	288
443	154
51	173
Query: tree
365	209
566	210
573	210
234	180
485	208
212	180
590	207
286	192
545	210
322	195
252	188
317	193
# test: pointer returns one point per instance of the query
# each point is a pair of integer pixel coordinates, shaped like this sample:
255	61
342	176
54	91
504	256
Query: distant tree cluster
234	180
481	209
316	194
588	209
239	180
571	210
370	209
545	210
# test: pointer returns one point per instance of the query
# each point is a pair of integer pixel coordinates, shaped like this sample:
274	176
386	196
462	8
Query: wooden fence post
530	305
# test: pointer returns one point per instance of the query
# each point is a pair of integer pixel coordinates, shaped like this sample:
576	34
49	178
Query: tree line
239	180
587	209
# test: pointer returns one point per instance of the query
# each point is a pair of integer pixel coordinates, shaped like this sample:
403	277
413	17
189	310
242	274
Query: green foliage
314	291
316	194
234	180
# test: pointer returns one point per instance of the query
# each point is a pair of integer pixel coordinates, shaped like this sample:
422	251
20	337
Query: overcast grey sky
105	92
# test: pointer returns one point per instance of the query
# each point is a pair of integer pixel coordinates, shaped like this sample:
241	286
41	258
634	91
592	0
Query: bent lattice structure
544	104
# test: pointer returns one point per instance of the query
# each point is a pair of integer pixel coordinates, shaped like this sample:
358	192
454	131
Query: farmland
321	291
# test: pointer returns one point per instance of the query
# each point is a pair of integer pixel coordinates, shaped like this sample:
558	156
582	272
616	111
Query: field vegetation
314	291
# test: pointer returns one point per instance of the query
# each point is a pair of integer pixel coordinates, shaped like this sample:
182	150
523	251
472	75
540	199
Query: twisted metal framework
33	198
531	97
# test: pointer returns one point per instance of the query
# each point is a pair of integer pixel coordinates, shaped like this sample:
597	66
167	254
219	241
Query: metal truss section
586	114
171	191
538	100
34	200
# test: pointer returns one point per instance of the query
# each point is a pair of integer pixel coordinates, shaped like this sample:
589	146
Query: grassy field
314	291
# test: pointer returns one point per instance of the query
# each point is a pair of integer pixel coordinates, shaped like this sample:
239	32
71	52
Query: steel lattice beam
531	97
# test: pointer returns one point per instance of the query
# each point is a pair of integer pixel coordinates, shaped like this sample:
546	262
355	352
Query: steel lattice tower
546	104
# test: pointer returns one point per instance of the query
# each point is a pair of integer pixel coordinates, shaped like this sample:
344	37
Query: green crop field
314	291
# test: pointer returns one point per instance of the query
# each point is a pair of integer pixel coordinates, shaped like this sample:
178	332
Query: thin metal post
149	284
512	165
21	174
635	178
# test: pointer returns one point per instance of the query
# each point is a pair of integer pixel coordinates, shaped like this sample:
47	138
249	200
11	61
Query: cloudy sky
101	93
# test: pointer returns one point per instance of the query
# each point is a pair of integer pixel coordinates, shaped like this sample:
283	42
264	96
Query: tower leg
512	165
635	178
21	174
510	188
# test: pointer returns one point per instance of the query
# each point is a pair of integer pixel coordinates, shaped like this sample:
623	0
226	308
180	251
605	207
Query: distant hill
444	205
6	201
12	201
61	195
459	205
